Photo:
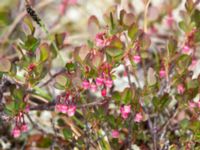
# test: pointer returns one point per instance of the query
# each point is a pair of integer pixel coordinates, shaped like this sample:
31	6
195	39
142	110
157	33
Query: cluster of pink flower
65	104
101	40
125	110
99	82
20	126
103	81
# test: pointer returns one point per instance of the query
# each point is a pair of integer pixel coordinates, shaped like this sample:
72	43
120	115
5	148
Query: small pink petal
93	87
64	108
136	59
125	111
115	133
138	117
162	73
58	107
16	132
180	89
186	50
100	39
170	21
192	105
108	83
125	115
99	81
24	127
71	110
192	65
86	85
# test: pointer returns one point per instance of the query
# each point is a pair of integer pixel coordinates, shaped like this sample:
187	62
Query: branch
50	106
52	77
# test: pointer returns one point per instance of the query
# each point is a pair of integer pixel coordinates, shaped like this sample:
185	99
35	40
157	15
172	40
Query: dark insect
33	14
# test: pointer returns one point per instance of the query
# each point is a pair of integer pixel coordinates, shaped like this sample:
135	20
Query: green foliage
120	102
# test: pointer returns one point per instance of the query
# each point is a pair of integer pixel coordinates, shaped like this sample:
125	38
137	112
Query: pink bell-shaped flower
16	132
99	81
136	59
93	87
115	133
138	117
108	83
86	84
71	110
24	127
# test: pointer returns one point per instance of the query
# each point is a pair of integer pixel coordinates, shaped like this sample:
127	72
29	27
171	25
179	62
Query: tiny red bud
103	92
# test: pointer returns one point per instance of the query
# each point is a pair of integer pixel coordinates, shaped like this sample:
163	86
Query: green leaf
59	38
97	59
133	31
44	142
62	80
115	48
126	96
31	43
93	25
5	65
182	25
161	102
184	123
4	17
113	52
151	77
112	22
70	66
116	96
195	17
184	61
104	143
145	41
43	93
191	84
67	133
29	23
18	94
171	45
122	13
128	19
117	43
189	5
44	52
10	109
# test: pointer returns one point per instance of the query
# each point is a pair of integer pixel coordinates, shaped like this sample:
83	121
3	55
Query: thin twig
50	106
145	15
52	77
34	124
129	137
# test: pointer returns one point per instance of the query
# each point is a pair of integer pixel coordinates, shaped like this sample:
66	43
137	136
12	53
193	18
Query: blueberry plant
133	84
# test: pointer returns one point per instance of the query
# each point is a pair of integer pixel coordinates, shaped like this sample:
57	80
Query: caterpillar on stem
37	19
